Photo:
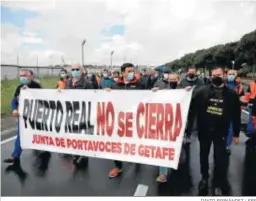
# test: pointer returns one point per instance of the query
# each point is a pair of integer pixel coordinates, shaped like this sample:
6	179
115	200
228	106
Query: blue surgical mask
231	78
130	76
24	80
76	74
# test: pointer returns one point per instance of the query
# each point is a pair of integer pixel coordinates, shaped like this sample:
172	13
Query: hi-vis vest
62	84
253	89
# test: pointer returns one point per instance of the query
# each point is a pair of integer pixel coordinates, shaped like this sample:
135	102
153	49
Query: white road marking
8	131
8	140
141	190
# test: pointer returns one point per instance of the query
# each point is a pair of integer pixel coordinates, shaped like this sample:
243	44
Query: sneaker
162	178
9	160
114	172
203	187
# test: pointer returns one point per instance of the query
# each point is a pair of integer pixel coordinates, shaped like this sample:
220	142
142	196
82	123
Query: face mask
173	85
217	81
156	75
115	79
24	80
191	75
89	75
105	75
231	78
76	74
130	76
166	75
63	75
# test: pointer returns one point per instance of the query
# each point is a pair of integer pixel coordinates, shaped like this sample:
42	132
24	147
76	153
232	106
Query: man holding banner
216	107
126	82
78	81
169	81
26	81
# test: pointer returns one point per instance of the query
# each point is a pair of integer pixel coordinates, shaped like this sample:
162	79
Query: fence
12	71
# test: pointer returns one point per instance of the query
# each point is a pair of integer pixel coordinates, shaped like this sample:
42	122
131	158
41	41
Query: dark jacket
15	100
82	83
185	83
133	85
163	84
231	111
151	82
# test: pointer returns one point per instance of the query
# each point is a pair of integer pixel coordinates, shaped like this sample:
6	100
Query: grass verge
8	88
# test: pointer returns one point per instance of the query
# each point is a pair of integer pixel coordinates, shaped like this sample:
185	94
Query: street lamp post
233	64
82	48
111	57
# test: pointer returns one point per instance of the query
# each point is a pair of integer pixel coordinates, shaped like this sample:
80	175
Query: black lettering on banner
89	115
39	114
53	108
76	112
82	124
25	112
68	121
32	113
45	115
90	127
59	111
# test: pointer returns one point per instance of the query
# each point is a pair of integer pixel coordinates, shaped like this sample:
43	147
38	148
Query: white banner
134	126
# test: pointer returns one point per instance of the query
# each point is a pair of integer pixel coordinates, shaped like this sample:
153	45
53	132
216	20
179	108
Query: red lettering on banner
140	114
160	121
152	120
45	140
110	118
168	118
121	124
128	125
101	118
129	149
125	124
62	143
156	152
105	118
178	122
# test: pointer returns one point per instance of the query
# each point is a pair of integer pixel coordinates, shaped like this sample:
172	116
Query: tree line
242	52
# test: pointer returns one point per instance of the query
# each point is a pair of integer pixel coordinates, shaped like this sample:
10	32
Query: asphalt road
51	175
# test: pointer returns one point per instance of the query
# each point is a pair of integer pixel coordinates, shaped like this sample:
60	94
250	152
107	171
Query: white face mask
115	79
166	75
105	75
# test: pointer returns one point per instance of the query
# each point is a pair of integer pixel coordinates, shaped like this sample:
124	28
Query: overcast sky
141	31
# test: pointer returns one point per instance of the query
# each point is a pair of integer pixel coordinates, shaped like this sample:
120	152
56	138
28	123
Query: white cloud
156	31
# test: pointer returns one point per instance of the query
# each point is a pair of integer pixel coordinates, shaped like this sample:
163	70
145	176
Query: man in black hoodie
126	82
215	106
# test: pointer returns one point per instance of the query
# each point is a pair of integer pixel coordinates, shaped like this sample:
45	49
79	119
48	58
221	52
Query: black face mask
217	81
191	75
173	85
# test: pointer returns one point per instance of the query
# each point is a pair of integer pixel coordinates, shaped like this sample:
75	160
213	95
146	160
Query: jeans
163	170
230	136
17	149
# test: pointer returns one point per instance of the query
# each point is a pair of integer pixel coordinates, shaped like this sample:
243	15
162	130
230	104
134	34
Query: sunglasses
75	69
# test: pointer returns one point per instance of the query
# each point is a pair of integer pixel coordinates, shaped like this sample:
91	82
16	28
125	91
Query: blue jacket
14	103
106	83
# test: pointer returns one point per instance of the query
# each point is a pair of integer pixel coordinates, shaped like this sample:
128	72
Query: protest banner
135	126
